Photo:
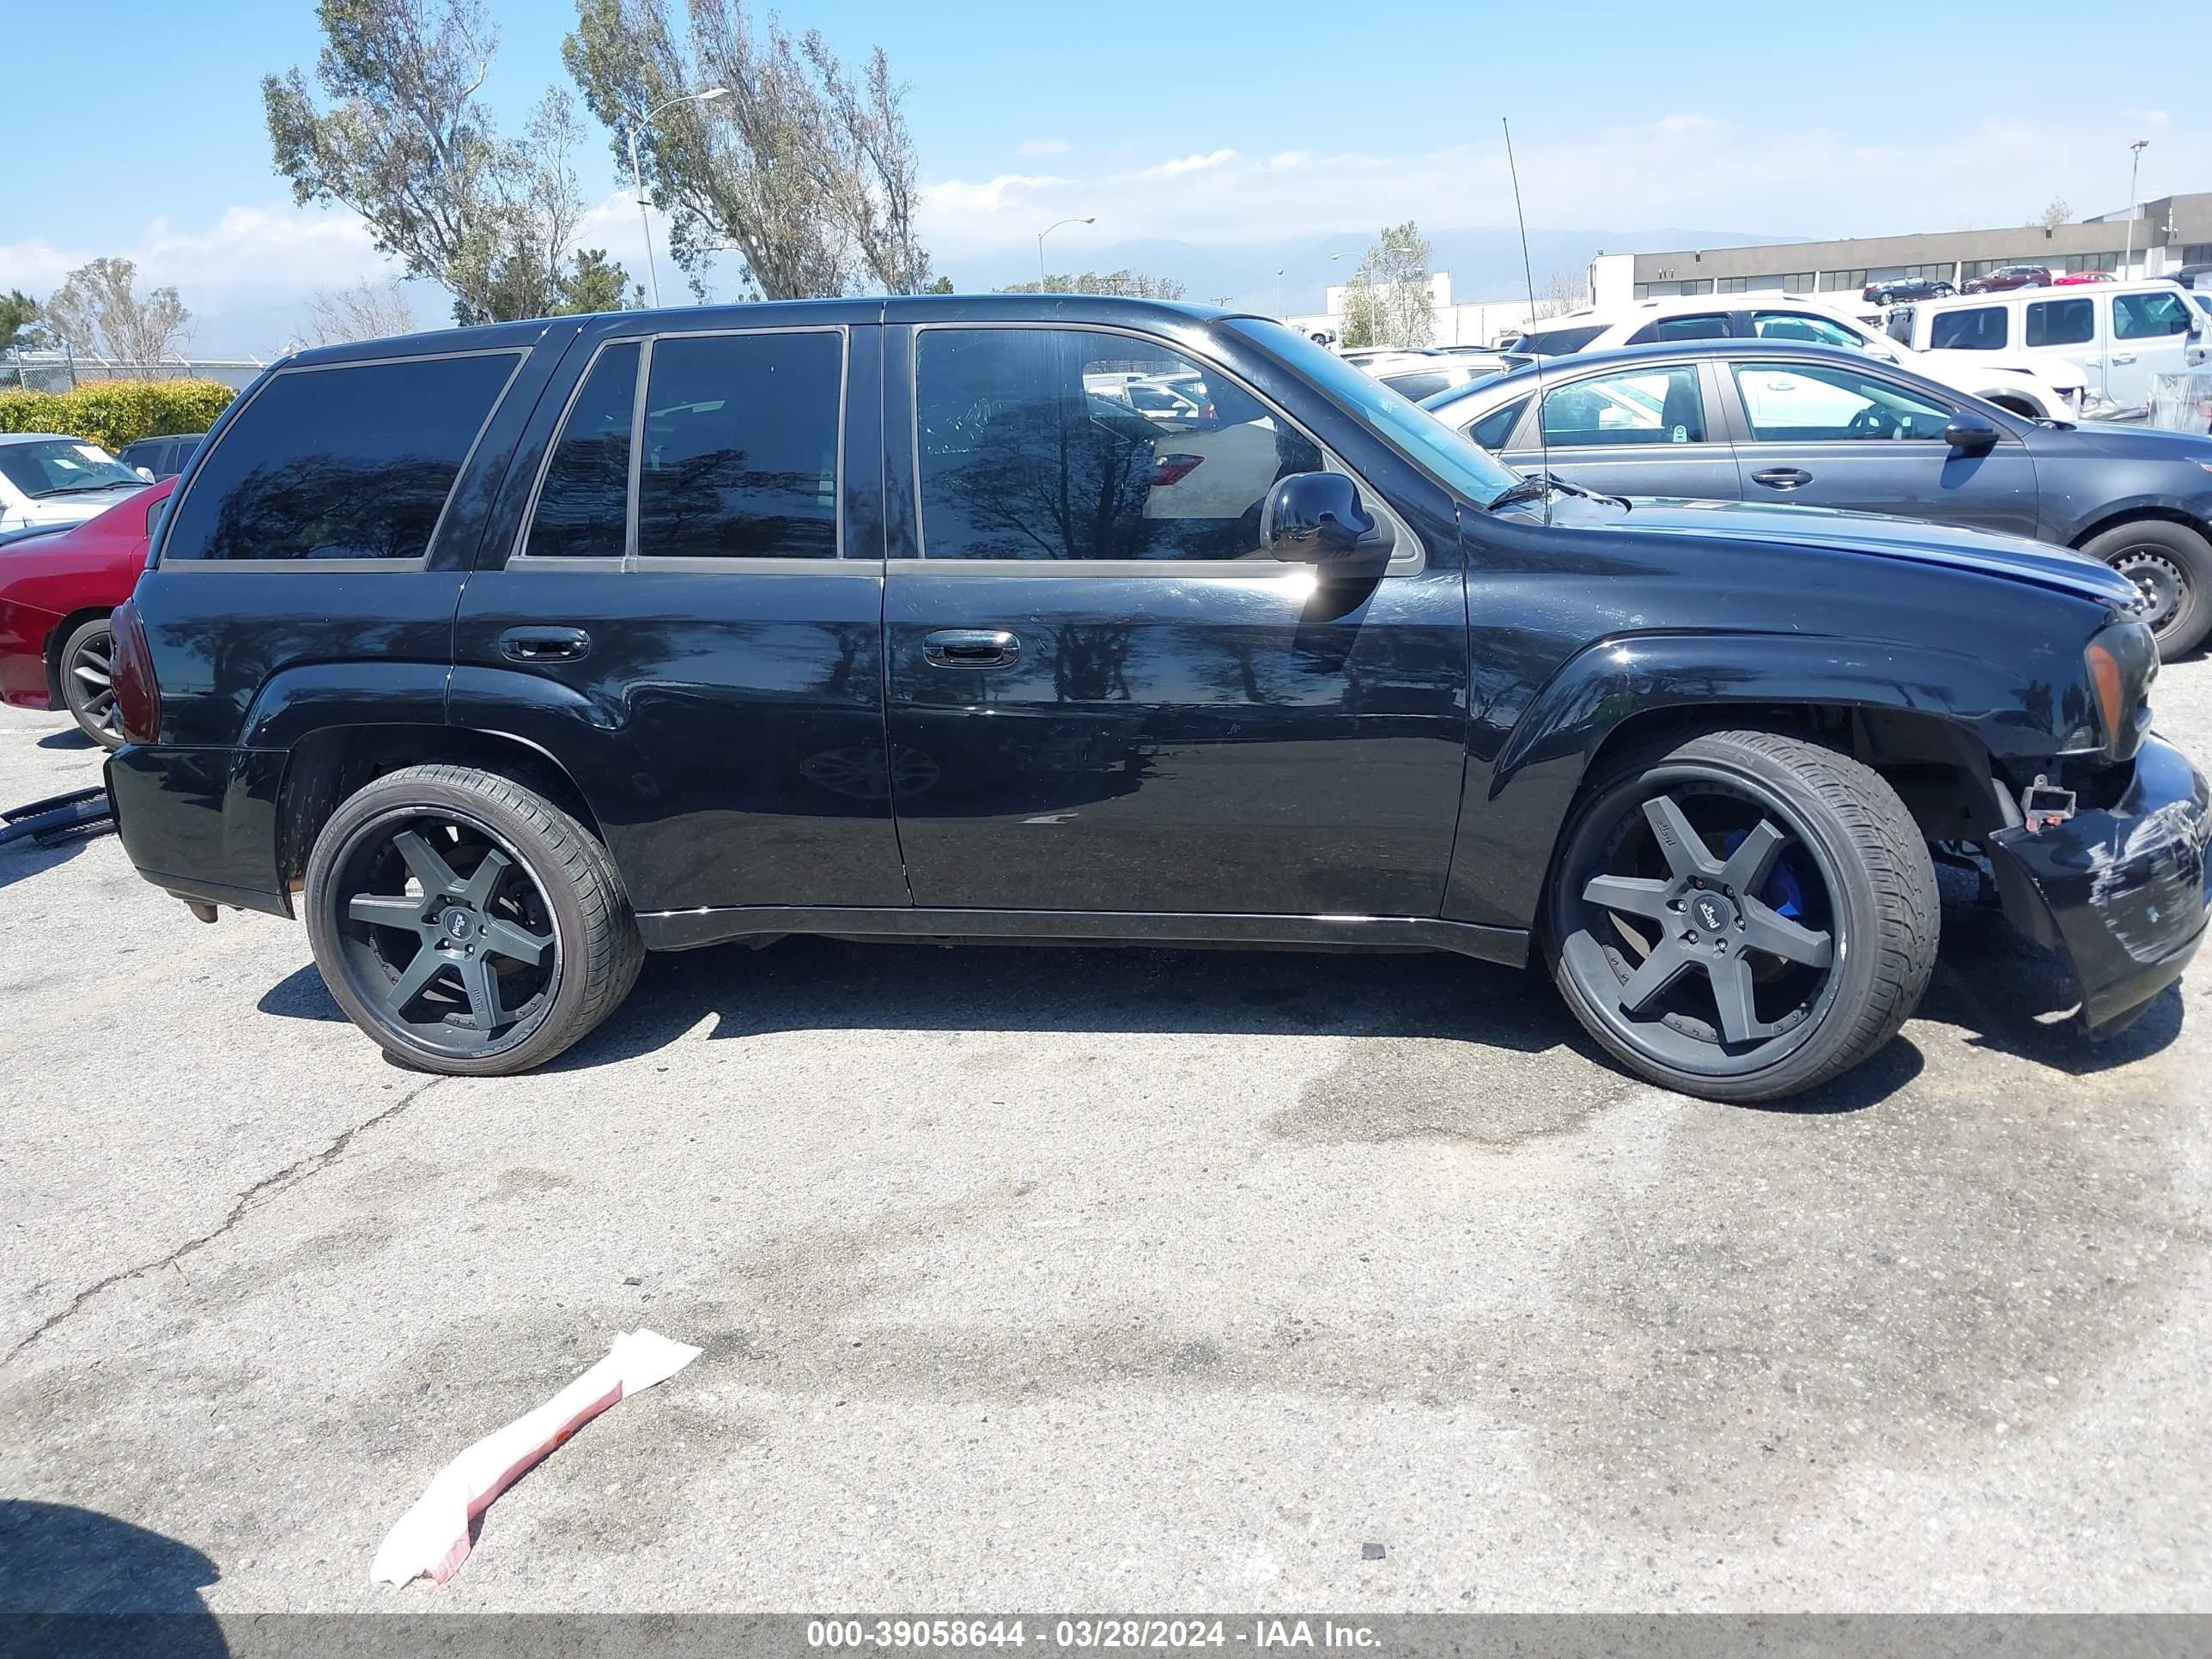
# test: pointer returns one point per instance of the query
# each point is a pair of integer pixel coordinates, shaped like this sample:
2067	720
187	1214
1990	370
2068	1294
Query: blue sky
1223	125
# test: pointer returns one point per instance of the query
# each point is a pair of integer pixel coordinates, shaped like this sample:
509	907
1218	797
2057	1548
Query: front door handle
970	648
1782	478
2123	357
544	644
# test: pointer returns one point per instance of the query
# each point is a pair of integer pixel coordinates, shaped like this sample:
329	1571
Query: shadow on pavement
69	737
77	1581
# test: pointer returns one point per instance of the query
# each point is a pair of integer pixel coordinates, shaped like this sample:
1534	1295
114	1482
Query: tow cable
46	822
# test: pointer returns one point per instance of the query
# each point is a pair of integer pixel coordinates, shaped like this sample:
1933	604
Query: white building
1482	323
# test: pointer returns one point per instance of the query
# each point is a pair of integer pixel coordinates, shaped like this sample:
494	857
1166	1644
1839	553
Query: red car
2068	279
56	591
2007	277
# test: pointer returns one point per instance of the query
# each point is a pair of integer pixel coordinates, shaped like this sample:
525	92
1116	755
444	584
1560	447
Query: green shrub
112	413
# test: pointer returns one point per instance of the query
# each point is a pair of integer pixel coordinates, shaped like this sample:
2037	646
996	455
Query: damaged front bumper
2121	893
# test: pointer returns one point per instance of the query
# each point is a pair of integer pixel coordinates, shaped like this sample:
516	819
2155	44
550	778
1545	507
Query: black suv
506	654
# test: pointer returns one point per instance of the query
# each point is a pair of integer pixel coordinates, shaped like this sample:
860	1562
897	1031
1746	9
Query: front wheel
467	923
1944	290
1742	915
2171	566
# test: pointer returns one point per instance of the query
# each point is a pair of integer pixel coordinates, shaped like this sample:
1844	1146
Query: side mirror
1318	519
1970	432
147	473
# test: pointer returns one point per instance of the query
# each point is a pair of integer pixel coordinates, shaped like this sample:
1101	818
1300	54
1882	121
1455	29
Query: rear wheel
86	675
467	924
1742	915
2171	566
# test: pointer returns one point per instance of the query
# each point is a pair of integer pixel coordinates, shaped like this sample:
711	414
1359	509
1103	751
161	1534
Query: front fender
1516	804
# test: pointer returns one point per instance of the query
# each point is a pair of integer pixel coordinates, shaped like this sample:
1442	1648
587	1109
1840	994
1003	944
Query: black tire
559	947
1814	831
85	667
1944	290
1883	297
2171	566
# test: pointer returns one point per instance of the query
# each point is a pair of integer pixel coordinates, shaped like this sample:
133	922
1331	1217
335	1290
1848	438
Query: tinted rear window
1558	341
346	462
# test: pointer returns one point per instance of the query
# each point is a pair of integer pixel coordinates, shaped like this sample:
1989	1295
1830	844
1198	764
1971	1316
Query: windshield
63	466
1425	439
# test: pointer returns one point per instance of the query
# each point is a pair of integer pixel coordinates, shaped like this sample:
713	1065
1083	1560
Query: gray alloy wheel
466	923
2171	566
1742	915
87	670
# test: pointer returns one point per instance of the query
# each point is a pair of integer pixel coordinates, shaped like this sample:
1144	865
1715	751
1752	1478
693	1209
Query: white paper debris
433	1536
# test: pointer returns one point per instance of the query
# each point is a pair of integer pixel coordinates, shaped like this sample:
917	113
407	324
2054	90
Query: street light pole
1047	231
2134	168
637	173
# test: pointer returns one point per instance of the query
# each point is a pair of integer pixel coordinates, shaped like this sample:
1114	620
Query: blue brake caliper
1781	893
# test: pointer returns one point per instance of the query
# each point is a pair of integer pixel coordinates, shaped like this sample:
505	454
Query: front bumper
2121	893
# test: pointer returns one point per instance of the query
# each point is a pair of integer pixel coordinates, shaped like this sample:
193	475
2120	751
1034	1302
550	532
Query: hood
1910	540
67	509
2117	441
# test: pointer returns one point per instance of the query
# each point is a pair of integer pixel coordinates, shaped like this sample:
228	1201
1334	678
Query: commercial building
2168	233
1477	323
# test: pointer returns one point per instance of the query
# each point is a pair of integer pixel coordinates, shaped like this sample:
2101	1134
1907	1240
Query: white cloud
1685	169
1041	147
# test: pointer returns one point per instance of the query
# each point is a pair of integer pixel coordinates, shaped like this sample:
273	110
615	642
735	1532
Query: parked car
2048	389
1426	378
2198	277
2077	278
1734	420
46	478
163	457
2119	337
2005	278
58	586
1889	292
502	655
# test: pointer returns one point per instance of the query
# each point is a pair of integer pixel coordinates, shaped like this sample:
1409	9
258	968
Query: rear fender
1516	805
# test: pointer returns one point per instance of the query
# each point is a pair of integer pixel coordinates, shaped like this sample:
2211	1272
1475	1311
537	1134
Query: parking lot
1031	1278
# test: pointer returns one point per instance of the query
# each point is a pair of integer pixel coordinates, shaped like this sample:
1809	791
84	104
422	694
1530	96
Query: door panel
1794	417
1121	709
724	717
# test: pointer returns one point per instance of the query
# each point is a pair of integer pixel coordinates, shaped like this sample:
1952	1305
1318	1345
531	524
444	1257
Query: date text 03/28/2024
1143	1633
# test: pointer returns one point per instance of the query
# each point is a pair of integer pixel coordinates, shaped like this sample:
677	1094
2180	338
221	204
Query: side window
1707	325
740	449
2061	322
583	506
1805	403
1030	450
1978	328
1492	430
1636	406
346	462
2148	316
1800	325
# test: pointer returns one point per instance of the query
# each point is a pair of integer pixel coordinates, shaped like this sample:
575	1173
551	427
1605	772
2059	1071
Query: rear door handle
544	644
1782	478
2124	357
970	648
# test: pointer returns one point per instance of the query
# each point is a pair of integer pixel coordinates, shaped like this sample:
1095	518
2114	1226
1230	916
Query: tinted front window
583	506
2061	322
1028	452
1980	328
1804	403
1494	429
740	457
1638	406
2148	316
340	463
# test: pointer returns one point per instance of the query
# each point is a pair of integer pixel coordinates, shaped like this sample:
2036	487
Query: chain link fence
63	371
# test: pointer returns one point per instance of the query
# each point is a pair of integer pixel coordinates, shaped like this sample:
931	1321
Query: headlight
2122	663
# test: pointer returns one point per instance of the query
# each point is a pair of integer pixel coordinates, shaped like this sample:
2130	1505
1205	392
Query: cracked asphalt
1035	1278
